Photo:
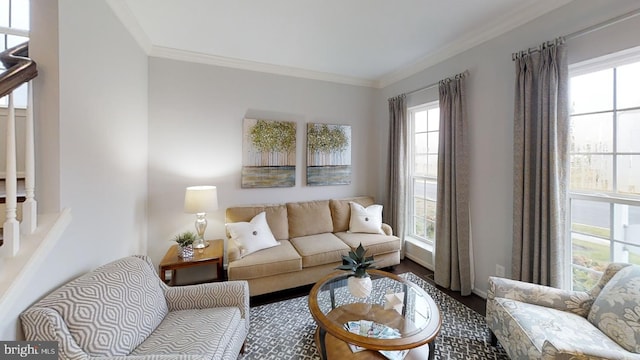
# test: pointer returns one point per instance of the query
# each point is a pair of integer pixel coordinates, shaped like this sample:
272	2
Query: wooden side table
212	254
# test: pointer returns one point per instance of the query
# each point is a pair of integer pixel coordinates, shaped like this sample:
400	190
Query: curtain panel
454	263
398	167
541	130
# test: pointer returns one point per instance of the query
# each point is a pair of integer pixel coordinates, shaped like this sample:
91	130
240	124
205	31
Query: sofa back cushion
309	218
113	309
276	217
341	211
616	310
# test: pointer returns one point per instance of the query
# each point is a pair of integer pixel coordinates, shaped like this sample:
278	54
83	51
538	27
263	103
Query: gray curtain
453	238
541	128
397	172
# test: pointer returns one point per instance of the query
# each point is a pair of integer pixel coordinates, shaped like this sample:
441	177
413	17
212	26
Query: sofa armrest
577	302
387	229
210	295
44	324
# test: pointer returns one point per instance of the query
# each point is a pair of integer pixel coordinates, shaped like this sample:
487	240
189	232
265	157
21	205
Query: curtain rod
577	34
430	86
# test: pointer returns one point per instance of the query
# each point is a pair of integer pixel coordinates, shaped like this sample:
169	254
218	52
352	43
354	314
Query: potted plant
359	283
185	243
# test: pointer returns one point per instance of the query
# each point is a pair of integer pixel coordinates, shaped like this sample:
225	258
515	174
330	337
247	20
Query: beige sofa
313	236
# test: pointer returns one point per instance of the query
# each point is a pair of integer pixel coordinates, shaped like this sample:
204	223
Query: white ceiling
360	42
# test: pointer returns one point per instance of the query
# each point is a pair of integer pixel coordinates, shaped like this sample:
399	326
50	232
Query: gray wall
195	138
490	108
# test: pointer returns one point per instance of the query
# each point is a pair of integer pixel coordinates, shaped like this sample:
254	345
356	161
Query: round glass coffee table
398	320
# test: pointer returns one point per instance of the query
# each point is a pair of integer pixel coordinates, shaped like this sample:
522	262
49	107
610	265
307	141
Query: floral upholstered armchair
539	322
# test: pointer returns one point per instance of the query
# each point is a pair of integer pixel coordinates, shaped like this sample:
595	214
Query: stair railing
18	69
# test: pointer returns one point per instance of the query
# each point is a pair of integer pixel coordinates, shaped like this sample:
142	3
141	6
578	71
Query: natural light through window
14	30
424	125
604	190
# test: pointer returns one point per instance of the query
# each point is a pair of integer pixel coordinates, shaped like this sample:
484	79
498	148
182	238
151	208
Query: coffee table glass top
395	306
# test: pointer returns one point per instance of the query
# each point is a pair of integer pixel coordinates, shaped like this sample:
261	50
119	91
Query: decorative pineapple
357	262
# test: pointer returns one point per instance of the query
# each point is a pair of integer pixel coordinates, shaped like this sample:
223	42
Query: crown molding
124	13
504	24
196	57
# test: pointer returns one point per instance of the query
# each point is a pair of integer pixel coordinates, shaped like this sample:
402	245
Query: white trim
130	22
617	59
201	58
17	271
14	31
518	17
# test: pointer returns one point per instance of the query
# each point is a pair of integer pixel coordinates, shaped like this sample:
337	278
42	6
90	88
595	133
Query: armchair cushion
616	311
213	328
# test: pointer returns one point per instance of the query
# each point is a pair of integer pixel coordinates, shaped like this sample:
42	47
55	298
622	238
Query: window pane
434	119
592	133
419	227
431	230
591	218
433	142
584	279
591	172
629	174
432	190
626	253
20	14
420	165
420	121
627	80
13	40
421	143
432	167
419	207
592	92
589	252
629	131
4	13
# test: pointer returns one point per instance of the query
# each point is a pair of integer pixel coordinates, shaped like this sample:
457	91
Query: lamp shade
200	199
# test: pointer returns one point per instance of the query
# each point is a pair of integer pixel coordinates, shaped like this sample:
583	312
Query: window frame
613	198
412	176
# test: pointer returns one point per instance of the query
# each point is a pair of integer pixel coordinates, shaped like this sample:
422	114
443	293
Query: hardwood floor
472	301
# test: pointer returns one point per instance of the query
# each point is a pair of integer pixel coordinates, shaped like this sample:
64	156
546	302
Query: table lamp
200	200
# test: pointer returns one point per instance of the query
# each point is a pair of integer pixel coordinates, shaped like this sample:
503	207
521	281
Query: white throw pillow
252	236
366	220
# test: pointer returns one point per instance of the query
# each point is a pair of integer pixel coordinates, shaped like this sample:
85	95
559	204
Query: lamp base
200	244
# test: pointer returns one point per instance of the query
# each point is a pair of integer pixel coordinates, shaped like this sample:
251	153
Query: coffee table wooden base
338	350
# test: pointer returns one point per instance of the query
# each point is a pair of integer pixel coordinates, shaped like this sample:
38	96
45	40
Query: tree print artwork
328	154
269	157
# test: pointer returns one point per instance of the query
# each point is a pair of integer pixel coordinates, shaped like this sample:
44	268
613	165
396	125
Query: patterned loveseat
539	322
123	311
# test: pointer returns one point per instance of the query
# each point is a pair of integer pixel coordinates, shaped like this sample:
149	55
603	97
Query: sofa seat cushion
374	243
279	259
616	310
320	249
204	332
538	332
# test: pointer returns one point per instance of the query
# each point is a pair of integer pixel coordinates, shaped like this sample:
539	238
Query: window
14	30
604	152
424	122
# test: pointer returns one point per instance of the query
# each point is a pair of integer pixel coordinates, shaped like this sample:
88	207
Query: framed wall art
328	154
269	154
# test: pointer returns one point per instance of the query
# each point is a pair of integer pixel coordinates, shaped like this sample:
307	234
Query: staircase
17	69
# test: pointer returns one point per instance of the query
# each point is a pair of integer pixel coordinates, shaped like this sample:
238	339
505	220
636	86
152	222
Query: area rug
285	330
